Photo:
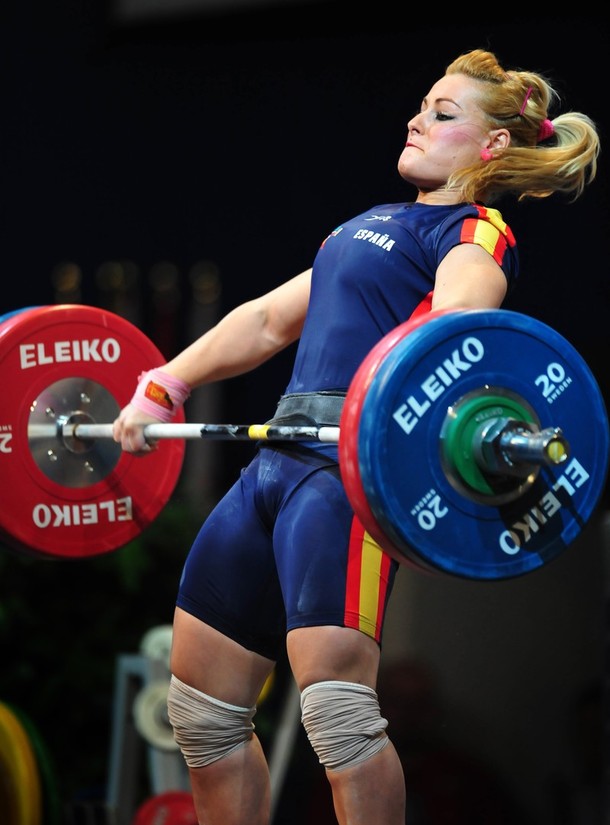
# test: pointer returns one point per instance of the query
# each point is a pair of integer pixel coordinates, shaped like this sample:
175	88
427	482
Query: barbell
473	443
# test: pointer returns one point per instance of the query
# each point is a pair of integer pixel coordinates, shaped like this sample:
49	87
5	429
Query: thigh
330	653
331	571
229	580
211	662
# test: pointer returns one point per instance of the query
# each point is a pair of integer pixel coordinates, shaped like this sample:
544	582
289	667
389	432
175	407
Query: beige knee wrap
206	729
343	723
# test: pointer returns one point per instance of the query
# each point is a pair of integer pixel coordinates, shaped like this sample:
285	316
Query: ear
499	140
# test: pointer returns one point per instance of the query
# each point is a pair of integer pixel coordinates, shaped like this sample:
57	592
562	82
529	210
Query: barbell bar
502	446
461	444
65	430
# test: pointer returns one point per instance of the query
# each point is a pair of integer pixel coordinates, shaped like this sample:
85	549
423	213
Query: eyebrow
443	100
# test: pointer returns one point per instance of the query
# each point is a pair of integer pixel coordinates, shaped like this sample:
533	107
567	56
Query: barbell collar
546	447
507	446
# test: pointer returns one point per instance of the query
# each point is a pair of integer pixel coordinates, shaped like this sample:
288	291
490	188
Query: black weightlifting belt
321	409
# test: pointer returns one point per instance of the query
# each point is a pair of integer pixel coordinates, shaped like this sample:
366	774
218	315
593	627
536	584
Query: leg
336	584
228	624
233	790
367	792
371	792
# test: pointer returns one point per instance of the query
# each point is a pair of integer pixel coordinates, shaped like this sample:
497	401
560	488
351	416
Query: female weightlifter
282	558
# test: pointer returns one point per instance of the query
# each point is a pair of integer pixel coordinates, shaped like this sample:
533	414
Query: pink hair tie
526	98
545	131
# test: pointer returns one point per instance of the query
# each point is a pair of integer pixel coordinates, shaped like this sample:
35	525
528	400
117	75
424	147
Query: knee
343	723
206	729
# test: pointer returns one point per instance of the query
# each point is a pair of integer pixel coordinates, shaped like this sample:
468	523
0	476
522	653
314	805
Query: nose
413	124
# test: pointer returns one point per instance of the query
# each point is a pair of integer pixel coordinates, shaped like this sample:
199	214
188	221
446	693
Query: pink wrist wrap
159	394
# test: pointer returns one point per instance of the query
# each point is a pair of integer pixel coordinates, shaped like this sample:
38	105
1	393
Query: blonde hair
530	167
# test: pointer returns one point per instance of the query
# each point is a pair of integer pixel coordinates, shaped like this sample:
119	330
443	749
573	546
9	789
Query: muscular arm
245	338
468	277
248	336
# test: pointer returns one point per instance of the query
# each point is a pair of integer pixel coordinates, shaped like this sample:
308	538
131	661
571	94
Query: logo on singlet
377	238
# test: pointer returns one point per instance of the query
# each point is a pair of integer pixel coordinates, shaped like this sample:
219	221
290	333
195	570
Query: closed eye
437	115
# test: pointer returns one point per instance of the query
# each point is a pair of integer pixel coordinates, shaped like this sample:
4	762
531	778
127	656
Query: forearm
245	338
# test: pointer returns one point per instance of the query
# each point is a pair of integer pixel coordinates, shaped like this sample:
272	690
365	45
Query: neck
438	197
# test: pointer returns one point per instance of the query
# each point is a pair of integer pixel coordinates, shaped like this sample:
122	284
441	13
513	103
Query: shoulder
478	224
494	218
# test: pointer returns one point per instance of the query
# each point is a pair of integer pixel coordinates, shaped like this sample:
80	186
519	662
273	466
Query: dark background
243	138
230	140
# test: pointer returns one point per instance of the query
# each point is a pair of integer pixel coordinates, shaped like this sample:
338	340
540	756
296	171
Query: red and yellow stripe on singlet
489	231
366	594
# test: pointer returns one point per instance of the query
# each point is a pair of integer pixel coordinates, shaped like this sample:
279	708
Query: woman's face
447	134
